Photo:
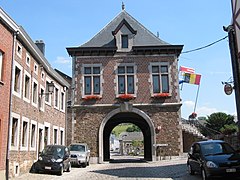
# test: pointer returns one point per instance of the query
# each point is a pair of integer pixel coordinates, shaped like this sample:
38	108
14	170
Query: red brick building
36	102
6	44
126	74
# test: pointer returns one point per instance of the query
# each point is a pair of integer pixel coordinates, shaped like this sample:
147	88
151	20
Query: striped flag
186	69
192	78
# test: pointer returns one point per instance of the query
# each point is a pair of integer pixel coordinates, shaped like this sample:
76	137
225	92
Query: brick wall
6	43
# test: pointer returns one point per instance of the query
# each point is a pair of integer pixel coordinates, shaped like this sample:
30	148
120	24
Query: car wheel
190	170
204	175
88	162
60	172
69	167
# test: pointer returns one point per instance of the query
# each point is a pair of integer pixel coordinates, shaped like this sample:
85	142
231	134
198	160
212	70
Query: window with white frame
55	135
124	41
126	79
46	135
27	86
56	97
41	98
33	135
40	137
1	66
61	136
17	81
19	50
15	126
34	92
48	95
62	101
24	133
28	59
35	68
92	79
160	77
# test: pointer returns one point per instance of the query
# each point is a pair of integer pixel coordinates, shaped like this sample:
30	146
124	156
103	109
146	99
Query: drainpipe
10	105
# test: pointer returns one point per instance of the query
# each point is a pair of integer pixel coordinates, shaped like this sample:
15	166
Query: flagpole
196	99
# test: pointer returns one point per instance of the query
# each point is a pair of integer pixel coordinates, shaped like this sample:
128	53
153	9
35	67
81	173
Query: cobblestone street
166	169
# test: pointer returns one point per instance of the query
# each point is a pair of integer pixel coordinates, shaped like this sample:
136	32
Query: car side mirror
66	156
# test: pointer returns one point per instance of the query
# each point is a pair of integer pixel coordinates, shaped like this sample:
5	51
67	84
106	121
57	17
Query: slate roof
143	36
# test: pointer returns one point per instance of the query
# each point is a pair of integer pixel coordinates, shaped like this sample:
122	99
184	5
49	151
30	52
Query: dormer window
124	41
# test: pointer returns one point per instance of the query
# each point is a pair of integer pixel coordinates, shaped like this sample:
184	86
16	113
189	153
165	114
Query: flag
187	69
192	78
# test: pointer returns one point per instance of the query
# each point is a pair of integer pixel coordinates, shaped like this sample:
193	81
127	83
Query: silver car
80	154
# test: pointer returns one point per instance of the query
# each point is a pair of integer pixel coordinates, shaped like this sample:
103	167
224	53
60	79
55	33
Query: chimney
41	46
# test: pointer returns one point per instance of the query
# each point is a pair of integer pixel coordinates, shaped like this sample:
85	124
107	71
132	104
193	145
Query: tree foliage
221	123
133	128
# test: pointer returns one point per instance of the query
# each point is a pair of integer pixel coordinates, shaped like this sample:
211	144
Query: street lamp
50	89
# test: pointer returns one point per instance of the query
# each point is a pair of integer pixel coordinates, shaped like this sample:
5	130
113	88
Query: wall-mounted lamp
50	89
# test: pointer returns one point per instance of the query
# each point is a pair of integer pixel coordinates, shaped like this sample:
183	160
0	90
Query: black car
213	158
53	158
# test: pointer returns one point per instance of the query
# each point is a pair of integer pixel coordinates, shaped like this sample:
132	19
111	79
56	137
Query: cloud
62	60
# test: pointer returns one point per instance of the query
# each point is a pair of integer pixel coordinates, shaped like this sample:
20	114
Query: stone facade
157	117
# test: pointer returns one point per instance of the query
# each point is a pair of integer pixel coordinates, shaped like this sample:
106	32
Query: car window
216	148
53	150
80	148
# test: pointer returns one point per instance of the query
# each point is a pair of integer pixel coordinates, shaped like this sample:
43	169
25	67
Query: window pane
156	85
96	83
27	87
96	70
87	70
155	69
121	69
165	85
1	65
35	92
124	41
130	69
164	69
17	80
87	85
130	84
121	84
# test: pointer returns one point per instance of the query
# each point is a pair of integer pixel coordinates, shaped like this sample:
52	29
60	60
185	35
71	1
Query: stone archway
130	115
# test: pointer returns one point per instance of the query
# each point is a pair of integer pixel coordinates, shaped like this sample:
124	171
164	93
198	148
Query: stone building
126	74
37	99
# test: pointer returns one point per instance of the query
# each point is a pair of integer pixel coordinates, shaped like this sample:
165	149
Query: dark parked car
53	158
213	158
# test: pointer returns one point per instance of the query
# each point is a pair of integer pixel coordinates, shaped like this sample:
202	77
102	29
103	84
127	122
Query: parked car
80	154
53	158
213	158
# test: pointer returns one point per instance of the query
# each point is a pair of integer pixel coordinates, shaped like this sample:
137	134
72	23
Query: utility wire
184	52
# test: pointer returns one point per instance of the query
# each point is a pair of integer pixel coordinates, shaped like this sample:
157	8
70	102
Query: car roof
85	144
59	146
210	141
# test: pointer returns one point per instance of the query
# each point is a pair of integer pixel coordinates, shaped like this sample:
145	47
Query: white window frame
46	124
42	99
134	74
35	136
26	120
42	75
28	57
49	95
169	76
40	126
21	50
35	68
17	93
24	82
58	95
33	103
55	128
1	66
62	103
63	140
16	116
83	77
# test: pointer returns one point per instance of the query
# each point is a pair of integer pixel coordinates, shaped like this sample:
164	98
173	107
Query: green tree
133	128
221	122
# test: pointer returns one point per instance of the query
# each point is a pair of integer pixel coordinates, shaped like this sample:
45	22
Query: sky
194	24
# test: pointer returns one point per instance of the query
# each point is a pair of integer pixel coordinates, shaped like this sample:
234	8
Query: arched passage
134	116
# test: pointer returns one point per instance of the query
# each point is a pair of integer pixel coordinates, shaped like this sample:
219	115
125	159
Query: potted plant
161	95
126	97
91	97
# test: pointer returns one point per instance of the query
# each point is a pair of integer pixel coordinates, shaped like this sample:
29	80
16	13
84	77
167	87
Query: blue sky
194	24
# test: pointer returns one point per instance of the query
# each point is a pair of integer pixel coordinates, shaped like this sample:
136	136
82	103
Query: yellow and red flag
192	78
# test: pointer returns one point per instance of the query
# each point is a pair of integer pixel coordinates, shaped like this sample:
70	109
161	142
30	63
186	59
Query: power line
204	46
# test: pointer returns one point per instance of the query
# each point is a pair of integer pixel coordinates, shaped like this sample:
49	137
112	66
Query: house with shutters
126	74
33	110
